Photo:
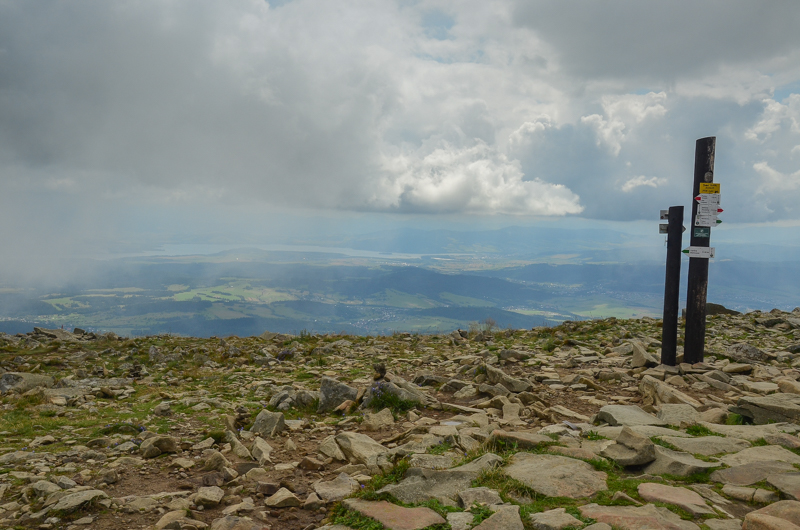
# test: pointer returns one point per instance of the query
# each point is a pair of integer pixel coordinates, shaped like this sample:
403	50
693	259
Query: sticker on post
709	187
699	252
701	231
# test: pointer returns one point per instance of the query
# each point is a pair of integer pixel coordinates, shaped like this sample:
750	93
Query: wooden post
669	324
694	342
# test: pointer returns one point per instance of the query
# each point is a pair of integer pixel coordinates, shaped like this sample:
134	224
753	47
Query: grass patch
381	399
369	490
440	449
701	430
340	514
735	419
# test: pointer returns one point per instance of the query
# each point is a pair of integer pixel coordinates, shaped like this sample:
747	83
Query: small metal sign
709	187
699	252
701	231
663	228
664	215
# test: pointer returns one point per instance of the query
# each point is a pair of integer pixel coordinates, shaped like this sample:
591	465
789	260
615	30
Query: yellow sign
709	187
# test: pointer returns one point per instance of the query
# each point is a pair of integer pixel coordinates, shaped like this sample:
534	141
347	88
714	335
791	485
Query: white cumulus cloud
641	180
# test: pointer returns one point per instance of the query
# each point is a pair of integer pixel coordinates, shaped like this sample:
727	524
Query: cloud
641	180
622	113
773	180
477	179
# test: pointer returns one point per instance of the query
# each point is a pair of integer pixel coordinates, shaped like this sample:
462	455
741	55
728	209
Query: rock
707	445
479	496
268	424
788	386
331	449
767	453
420	485
641	357
505	518
333	393
216	461
723	524
22	382
378	421
630	449
460	520
637	517
746	474
657	392
787	483
681	497
73	501
395	517
431	461
786	513
745	353
209	496
359	448
556	476
162	409
554	520
678	414
669	462
177	519
520	439
770	409
398	388
498	377
715	415
261	450
627	415
231	522
237	447
283	498
336	489
156	445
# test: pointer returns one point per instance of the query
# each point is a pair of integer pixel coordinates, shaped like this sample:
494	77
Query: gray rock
420	485
498	377
283	498
637	517
556	476
378	421
209	496
627	415
678	413
745	353
159	444
237	447
747	474
505	518
73	501
630	449
231	522
268	424
707	445
554	520
360	448
770	409
336	489
767	453
479	496
641	357
669	462
261	450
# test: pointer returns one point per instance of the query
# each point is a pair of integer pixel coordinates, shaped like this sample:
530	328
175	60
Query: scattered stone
556	476
630	449
268	424
636	517
283	498
681	497
627	415
396	517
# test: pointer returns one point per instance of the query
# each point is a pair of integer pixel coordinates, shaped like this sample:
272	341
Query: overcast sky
152	116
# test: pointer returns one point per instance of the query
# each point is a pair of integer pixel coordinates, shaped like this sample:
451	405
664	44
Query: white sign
705	220
699	252
708	204
664	215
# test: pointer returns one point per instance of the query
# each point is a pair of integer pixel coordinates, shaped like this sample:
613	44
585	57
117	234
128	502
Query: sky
138	122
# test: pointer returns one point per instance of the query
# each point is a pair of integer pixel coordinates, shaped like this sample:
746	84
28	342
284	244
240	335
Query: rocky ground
577	426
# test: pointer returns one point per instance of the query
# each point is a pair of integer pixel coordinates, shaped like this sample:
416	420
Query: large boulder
745	353
498	377
333	393
268	424
156	445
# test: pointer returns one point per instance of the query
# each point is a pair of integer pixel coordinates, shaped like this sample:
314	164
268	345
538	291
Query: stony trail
576	426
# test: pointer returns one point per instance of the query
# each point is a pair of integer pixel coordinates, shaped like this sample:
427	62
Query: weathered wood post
669	324
694	342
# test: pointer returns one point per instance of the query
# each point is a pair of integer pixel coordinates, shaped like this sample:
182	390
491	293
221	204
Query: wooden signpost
705	209
669	330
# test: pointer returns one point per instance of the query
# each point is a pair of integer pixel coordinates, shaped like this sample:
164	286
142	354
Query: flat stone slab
675	414
747	474
505	518
771	408
681	497
556	476
788	511
767	453
669	462
750	433
645	430
707	445
787	483
336	489
420	485
522	440
396	517
554	520
647	517
627	415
